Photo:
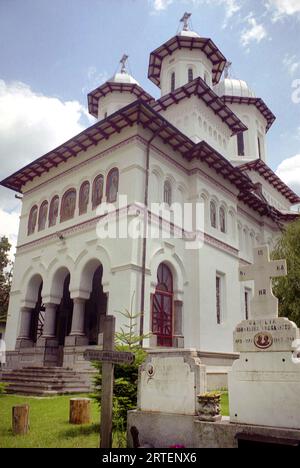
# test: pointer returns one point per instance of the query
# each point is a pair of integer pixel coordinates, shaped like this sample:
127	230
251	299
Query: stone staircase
45	381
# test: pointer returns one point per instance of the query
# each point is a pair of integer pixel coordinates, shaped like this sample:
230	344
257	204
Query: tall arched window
173	79
112	185
213	214
167	193
162	307
222	216
32	220
241	144
53	211
97	191
68	205
84	196
43	212
190	75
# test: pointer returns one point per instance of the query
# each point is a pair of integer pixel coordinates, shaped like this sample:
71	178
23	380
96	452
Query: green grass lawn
49	424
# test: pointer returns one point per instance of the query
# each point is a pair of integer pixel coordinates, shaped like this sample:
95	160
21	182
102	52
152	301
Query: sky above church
53	52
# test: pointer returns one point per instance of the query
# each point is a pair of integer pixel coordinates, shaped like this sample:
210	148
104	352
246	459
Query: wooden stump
80	411
20	419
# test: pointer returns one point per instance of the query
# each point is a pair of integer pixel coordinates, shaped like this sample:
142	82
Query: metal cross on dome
123	63
185	21
264	304
227	69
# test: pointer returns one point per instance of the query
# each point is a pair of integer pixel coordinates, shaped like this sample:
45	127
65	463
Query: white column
50	321
78	317
24	332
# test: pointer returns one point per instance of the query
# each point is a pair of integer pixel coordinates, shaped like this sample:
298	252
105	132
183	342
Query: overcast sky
52	52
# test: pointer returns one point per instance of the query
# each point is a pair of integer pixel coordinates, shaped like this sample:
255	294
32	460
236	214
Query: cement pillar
23	339
77	336
50	321
25	323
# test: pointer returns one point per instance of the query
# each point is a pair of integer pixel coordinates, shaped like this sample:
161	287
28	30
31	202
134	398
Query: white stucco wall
194	272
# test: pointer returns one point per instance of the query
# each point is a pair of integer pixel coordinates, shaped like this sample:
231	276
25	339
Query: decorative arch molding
57	272
112	185
56	290
32	280
86	265
32	220
174	262
68	205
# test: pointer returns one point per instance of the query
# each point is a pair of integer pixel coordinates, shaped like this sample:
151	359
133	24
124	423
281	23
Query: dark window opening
241	144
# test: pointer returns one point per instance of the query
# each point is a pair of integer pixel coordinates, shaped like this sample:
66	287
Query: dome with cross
119	91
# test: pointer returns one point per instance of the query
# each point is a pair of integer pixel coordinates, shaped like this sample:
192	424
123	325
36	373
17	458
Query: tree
287	288
5	277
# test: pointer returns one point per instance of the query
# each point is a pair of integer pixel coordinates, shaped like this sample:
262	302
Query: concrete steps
44	381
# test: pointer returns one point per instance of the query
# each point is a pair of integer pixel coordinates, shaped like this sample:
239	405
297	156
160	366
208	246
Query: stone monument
264	383
169	382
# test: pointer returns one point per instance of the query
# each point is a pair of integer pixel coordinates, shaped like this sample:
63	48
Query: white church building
204	141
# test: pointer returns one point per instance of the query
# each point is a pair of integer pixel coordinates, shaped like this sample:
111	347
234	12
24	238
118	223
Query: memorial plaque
115	357
276	334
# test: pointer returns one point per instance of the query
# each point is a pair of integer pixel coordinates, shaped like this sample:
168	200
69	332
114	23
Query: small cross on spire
123	62
227	69
185	21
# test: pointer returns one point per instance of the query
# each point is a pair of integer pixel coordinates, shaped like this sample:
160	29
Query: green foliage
3	387
287	288
125	376
5	277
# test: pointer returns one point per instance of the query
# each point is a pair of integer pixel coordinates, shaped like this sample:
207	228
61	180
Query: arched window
190	75
259	147
68	205
84	196
241	144
112	185
97	191
222	215
167	193
173	82
162	307
32	220
53	211
213	214
43	215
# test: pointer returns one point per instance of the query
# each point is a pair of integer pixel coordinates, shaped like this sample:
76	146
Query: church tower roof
188	40
234	87
122	83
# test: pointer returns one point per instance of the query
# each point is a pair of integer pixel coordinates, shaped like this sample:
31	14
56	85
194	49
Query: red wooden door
162	307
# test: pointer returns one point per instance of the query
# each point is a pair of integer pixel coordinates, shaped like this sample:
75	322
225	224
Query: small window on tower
190	75
172	82
219	299
259	147
213	214
167	193
241	144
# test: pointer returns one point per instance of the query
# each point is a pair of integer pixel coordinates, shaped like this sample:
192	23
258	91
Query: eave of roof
266	172
258	103
110	87
138	113
199	88
185	42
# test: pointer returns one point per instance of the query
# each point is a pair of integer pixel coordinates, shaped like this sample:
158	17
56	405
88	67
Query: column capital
80	294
